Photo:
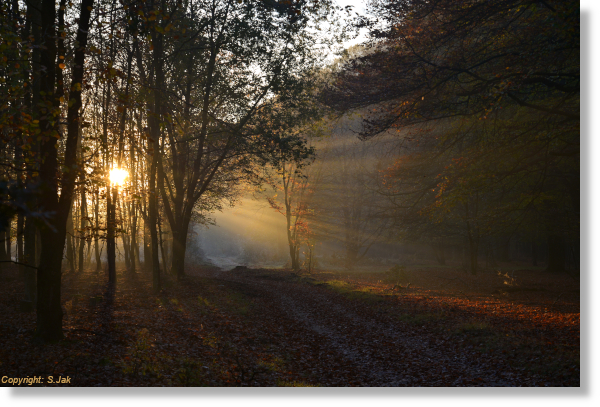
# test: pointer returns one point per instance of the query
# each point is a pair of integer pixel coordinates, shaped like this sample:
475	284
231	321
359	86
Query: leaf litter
261	327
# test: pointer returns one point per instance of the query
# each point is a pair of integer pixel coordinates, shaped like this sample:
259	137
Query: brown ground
258	327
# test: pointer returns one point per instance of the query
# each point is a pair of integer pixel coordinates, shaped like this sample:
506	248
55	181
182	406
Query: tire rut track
384	353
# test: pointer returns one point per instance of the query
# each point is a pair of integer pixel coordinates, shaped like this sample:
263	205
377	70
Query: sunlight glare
118	176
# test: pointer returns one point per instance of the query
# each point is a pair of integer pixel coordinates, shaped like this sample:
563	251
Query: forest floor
263	327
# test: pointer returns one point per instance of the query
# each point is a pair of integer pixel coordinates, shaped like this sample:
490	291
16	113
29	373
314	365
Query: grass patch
339	285
140	359
211	340
205	305
273	365
397	275
204	302
238	303
295	383
561	364
528	351
474	329
520	289
191	373
348	290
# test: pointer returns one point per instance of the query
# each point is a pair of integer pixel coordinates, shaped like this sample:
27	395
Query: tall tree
57	193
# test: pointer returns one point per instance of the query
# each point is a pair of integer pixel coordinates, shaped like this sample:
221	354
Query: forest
226	193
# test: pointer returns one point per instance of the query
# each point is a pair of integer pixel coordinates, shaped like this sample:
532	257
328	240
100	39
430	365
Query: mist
250	234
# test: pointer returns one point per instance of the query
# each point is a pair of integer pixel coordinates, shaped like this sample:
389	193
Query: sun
118	176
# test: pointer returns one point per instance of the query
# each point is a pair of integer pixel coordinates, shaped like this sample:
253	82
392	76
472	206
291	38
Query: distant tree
296	186
292	126
352	209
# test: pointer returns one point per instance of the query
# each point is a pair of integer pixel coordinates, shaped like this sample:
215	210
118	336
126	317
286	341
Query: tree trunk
135	249
556	254
8	241
147	248
124	237
97	255
152	207
505	250
152	215
20	230
161	244
472	233
438	253
110	201
49	311
29	257
20	224
534	254
178	246
69	235
294	251
3	246
155	134
291	229
83	223
473	254
110	233
351	253
126	252
310	258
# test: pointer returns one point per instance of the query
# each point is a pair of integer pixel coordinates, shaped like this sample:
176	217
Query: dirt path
363	341
272	328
